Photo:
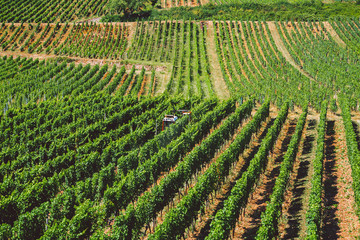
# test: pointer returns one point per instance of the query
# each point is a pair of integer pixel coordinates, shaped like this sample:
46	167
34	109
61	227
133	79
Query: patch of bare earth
250	219
143	84
282	48
268	40
339	212
334	34
218	81
84	61
293	223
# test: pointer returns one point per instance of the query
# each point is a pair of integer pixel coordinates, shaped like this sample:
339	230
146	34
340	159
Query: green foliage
270	218
226	218
313	215
126	6
352	149
250	11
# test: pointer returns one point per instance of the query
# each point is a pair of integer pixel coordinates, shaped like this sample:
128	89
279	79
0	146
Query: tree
126	6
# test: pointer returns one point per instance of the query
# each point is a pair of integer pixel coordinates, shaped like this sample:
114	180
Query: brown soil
233	42
250	30
153	87
289	40
202	226
334	34
218	81
255	27
121	82
293	224
143	84
130	85
248	52
111	80
268	40
250	219
84	61
226	45
243	55
339	211
282	48
148	229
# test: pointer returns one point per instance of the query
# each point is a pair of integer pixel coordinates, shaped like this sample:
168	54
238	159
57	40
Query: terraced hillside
188	56
270	150
49	11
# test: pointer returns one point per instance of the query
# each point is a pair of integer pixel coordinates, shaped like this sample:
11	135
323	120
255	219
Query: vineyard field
49	11
178	129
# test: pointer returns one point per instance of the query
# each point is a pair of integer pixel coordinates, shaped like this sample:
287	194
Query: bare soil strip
282	48
219	83
293	224
91	61
289	39
334	34
339	211
250	220
268	40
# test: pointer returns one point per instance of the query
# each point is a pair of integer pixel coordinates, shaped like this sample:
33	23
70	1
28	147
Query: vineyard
49	11
271	149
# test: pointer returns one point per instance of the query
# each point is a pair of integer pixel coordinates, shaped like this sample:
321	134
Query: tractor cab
185	113
170	119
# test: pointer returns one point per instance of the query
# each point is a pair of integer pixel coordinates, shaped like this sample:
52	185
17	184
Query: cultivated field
271	149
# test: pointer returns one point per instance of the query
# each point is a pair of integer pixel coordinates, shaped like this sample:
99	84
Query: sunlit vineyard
49	11
265	144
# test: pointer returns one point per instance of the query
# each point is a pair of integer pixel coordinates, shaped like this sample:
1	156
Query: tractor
170	119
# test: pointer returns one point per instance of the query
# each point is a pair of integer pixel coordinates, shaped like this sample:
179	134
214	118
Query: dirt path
292	224
334	34
282	48
91	61
95	20
268	40
339	218
286	30
250	220
218	81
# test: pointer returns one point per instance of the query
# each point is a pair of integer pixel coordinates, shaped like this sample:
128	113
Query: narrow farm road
334	35
282	48
219	83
